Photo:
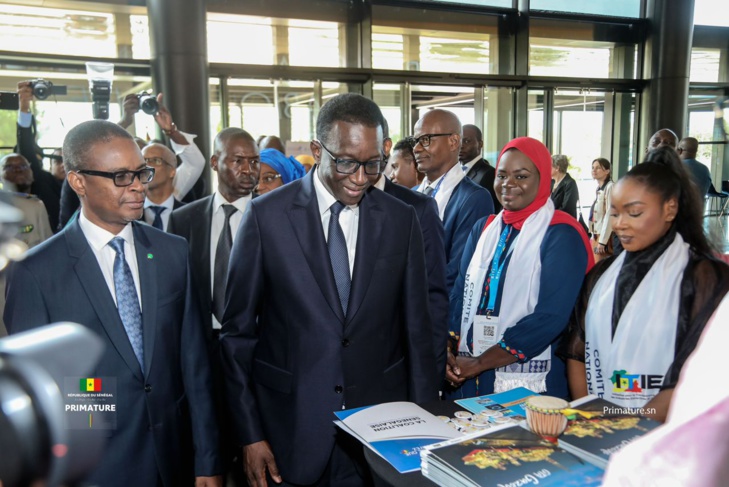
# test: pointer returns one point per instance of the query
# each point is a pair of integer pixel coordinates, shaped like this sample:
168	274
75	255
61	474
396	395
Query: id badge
485	333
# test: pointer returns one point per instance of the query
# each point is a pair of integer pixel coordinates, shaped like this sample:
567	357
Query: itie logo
90	385
625	382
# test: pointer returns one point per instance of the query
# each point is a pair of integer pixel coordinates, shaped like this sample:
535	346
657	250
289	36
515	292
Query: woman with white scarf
519	277
640	314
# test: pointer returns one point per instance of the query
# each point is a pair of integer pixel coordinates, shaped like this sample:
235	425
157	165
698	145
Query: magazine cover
596	438
396	431
512	456
506	404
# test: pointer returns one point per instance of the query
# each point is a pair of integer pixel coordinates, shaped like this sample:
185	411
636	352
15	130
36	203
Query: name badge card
485	333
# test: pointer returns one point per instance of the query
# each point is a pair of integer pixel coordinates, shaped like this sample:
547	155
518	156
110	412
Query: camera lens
41	90
148	104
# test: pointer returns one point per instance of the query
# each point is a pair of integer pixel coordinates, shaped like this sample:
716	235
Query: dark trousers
346	468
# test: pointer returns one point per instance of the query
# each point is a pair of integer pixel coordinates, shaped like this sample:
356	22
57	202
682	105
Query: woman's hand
469	367
452	370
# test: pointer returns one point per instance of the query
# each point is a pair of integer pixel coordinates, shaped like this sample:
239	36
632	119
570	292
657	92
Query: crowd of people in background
235	323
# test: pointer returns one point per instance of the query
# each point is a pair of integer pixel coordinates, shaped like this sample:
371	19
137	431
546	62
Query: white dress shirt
451	179
469	165
348	219
99	239
216	226
192	163
149	213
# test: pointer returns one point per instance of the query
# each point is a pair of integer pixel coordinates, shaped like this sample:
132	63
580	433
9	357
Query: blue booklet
508	404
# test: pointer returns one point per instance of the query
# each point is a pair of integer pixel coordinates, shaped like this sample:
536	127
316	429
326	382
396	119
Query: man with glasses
160	199
129	283
326	308
461	203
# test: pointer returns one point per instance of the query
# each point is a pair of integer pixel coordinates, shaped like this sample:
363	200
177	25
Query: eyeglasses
123	178
423	140
350	166
157	161
269	178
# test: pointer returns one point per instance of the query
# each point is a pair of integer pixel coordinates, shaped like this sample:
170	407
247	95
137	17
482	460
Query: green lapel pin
150	256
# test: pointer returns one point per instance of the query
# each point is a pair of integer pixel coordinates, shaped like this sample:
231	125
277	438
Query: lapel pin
150	256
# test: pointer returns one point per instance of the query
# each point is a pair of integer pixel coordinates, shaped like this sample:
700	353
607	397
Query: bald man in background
700	174
664	137
461	202
160	201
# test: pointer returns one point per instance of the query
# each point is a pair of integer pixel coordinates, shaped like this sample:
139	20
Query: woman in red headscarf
518	281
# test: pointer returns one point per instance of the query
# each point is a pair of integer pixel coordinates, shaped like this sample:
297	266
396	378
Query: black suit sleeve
571	195
44	184
25	307
239	334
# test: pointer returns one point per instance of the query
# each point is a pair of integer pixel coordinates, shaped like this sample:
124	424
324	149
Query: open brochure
509	404
596	439
396	431
508	455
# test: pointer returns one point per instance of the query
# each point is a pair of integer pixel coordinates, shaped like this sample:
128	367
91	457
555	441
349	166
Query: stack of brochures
508	455
596	439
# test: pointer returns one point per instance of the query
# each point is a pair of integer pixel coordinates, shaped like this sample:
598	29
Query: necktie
220	270
464	167
339	256
127	302
428	190
157	223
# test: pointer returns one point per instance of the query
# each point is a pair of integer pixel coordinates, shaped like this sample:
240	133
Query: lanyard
437	187
497	268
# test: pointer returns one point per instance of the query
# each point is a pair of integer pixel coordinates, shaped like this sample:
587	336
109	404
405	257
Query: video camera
148	103
42	88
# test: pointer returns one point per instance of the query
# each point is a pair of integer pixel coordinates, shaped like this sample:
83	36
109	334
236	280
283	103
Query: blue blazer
427	212
291	357
164	413
468	203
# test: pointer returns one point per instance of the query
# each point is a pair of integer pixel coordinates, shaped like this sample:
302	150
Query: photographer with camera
45	186
192	161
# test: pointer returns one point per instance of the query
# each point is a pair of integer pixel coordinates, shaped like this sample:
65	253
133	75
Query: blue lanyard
497	269
437	187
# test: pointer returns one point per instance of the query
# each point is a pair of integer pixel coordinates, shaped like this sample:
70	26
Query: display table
385	474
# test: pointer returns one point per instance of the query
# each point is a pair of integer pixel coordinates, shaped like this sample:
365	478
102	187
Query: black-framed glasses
423	140
123	178
157	162
350	166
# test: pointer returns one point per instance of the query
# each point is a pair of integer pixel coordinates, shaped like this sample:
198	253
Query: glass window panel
581	50
535	114
423	40
457	99
222	28
711	12
498	121
140	36
613	8
388	98
480	3
57	31
705	65
313	43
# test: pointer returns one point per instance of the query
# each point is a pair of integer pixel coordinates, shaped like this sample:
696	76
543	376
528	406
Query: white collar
169	203
469	165
324	198
380	184
240	204
98	237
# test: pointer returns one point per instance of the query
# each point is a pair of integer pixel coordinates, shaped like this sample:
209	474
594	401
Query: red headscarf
542	159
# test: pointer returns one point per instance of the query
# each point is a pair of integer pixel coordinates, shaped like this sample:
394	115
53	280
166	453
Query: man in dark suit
432	228
297	344
236	162
129	283
477	168
160	201
461	202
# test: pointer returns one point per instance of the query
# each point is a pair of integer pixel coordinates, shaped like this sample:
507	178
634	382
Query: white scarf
628	369
520	294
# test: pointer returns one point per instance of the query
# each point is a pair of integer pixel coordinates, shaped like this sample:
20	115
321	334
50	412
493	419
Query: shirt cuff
25	119
518	354
179	148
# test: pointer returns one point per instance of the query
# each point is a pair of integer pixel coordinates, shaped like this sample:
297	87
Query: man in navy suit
461	203
129	283
477	168
326	308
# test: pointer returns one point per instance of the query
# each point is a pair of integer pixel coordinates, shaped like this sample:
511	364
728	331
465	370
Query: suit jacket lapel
306	222
147	265
371	218
201	228
89	274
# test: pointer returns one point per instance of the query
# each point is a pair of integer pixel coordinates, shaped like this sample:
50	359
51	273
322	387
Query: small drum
544	415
